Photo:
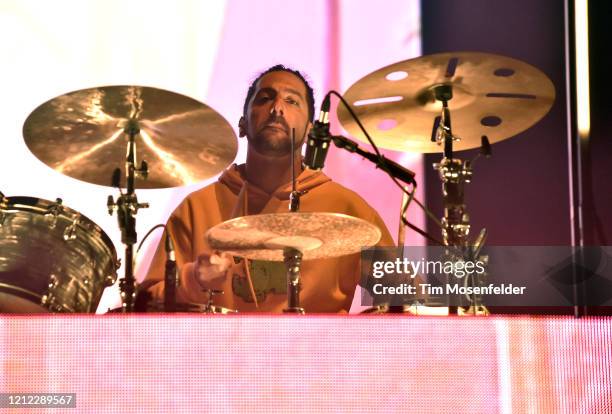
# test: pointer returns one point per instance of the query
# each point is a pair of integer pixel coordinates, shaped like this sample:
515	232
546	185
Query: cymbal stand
127	207
454	174
294	197
293	257
293	261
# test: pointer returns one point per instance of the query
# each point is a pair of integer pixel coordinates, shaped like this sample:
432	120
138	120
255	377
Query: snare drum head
51	256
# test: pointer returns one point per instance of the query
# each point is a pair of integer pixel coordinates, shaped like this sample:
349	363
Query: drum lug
53	211
52	282
48	300
3	206
112	278
45	301
70	231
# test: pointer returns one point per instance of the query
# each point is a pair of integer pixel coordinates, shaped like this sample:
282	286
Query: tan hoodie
328	285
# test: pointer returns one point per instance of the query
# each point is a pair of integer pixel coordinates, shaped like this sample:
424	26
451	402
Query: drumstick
248	273
245	212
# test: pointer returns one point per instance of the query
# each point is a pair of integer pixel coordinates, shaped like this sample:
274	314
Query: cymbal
316	235
493	95
80	134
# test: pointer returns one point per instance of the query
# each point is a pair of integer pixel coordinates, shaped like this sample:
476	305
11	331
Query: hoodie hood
234	179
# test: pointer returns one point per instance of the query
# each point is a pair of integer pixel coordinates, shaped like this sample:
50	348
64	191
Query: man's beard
277	145
272	145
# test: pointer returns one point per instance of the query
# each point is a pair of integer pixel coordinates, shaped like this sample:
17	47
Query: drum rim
31	296
15	202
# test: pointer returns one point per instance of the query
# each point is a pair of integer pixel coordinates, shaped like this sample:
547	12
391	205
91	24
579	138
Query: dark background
522	193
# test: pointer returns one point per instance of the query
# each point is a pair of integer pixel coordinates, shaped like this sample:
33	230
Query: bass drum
52	258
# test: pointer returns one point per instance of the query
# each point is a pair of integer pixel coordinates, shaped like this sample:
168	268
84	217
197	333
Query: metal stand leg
293	260
454	174
127	206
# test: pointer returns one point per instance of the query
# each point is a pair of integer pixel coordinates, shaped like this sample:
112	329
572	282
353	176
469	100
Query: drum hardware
171	280
127	207
496	97
454	173
293	261
159	306
70	231
3	206
294	196
53	211
215	310
407	197
49	302
293	257
209	307
48	299
170	276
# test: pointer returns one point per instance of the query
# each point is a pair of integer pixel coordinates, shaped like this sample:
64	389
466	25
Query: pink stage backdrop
313	364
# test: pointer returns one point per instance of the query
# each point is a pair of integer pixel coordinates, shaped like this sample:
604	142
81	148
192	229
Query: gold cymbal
316	235
80	134
493	95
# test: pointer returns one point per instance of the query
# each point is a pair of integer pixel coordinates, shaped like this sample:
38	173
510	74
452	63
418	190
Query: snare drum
192	308
158	307
52	258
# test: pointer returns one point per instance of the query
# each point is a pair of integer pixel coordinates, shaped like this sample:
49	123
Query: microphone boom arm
391	167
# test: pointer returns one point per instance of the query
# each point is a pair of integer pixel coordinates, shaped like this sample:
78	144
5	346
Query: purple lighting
387	124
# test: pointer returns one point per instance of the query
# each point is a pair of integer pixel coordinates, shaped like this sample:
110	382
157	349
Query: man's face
278	105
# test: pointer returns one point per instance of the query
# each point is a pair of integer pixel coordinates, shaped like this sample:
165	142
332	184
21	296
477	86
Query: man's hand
211	269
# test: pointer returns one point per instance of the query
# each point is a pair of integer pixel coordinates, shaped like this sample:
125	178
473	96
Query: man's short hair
282	68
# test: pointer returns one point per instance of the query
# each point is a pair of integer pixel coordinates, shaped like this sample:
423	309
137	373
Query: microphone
170	280
319	139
